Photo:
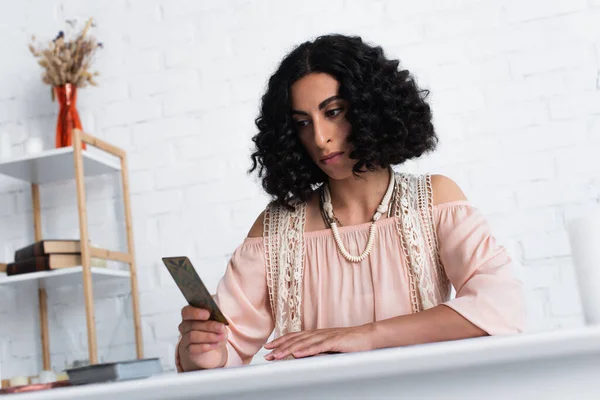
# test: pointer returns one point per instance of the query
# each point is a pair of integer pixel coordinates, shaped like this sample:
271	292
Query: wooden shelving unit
56	165
75	163
64	277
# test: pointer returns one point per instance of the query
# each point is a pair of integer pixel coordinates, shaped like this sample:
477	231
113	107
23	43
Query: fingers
199	337
292	342
198	334
283	339
289	348
205	326
204	337
300	343
197	349
193	313
303	348
197	342
311	350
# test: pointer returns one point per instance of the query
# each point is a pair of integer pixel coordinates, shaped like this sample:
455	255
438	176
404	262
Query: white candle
33	146
18	381
584	237
47	376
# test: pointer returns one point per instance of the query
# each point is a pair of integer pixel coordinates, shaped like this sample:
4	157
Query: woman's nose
321	134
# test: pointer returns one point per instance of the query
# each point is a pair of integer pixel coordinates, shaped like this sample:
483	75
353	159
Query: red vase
68	117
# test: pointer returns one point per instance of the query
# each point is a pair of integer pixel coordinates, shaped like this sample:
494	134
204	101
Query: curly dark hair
390	120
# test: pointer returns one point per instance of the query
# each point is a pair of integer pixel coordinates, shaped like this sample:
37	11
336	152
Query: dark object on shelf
43	263
44	247
116	371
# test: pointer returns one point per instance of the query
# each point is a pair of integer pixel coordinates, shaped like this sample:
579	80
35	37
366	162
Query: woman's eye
333	113
301	123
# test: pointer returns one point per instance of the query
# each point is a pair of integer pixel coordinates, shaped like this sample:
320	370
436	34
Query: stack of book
115	371
45	255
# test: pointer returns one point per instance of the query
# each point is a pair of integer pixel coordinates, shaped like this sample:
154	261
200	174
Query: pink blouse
338	293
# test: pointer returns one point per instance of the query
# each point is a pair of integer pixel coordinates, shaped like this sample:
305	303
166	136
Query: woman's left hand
310	343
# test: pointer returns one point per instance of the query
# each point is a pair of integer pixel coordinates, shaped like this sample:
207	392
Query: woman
351	256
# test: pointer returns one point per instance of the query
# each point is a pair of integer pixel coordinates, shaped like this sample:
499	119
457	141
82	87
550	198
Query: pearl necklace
381	209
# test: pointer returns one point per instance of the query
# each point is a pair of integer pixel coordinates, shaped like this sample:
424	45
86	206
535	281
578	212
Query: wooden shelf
64	276
56	165
75	163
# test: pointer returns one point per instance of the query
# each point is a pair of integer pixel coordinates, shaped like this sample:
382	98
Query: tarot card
192	287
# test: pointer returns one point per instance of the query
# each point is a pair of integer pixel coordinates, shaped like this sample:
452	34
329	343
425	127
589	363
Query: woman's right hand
203	342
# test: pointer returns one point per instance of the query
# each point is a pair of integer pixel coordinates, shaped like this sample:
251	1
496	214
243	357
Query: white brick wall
515	93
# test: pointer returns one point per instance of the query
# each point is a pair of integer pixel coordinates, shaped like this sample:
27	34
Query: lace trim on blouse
285	265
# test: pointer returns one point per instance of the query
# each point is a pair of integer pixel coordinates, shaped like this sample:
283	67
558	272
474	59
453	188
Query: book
43	263
44	247
115	371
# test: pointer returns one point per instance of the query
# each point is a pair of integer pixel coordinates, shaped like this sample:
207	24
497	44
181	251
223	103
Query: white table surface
539	365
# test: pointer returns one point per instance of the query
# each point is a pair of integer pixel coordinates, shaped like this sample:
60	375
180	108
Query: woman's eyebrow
322	105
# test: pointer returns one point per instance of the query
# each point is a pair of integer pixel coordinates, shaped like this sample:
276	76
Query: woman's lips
334	157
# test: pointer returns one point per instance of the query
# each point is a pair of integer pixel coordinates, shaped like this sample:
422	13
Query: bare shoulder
445	190
257	229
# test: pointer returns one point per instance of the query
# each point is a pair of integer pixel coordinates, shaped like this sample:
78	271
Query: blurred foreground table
552	365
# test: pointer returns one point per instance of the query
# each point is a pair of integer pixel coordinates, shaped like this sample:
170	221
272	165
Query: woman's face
320	118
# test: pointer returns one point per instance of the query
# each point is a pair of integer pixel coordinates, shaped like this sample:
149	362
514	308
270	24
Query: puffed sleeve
243	297
487	292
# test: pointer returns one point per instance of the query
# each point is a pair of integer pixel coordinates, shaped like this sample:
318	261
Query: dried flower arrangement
68	60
